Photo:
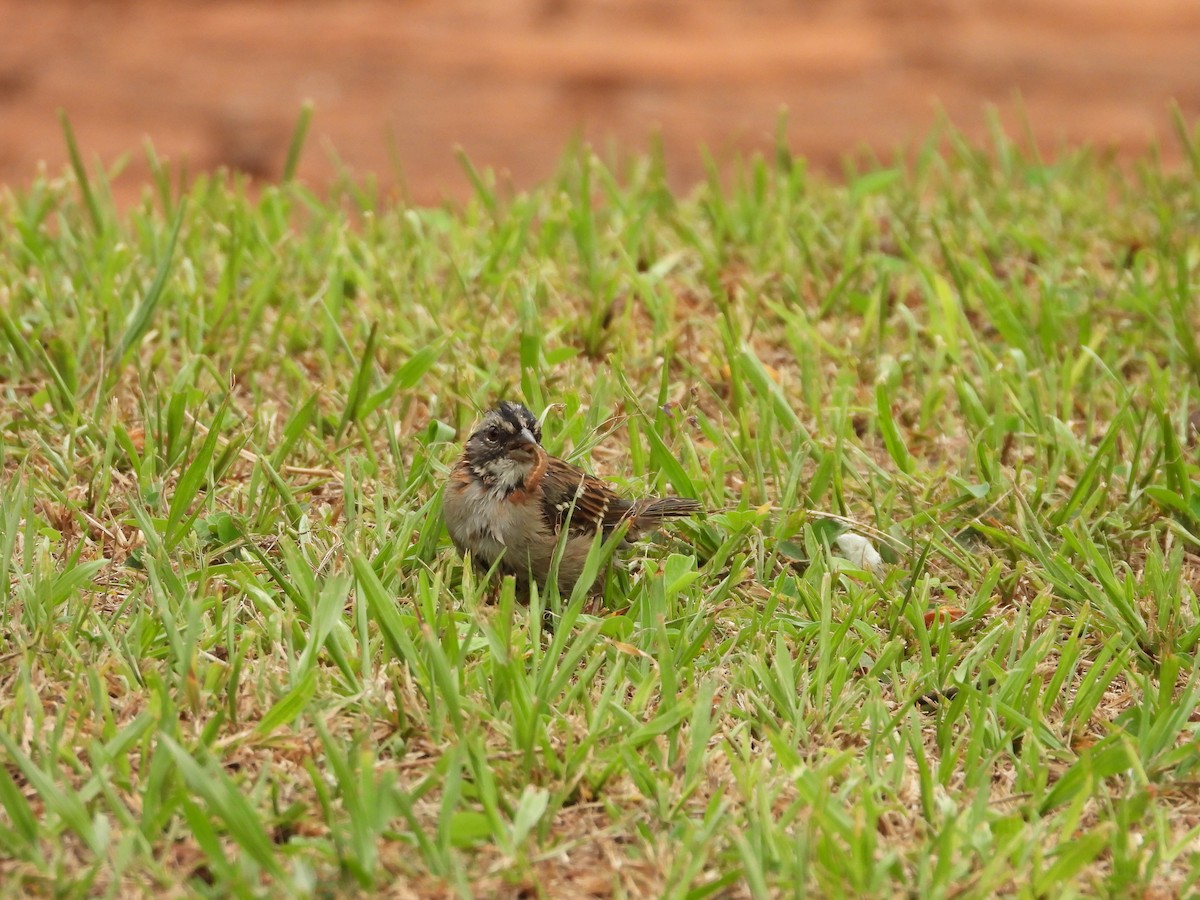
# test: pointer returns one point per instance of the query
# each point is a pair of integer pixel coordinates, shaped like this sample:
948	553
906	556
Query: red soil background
215	84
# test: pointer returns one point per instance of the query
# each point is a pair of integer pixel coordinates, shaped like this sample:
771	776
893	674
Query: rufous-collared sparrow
508	499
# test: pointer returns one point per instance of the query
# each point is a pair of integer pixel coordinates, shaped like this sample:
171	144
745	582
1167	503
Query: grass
241	657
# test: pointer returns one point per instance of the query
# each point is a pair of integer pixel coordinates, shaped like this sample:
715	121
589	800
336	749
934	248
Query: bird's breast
487	522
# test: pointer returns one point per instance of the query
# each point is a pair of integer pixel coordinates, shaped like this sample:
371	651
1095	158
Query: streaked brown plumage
508	499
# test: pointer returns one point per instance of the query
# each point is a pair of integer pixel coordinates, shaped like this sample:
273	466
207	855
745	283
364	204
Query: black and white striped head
504	449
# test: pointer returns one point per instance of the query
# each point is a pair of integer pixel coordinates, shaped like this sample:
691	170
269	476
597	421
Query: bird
507	499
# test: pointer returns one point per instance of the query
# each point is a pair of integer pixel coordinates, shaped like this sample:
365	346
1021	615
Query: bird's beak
527	442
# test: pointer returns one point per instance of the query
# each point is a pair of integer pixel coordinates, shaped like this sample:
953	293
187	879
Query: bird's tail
648	513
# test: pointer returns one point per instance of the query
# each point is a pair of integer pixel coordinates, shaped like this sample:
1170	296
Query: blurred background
396	86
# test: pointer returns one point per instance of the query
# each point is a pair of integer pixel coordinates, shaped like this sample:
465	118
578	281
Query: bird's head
505	448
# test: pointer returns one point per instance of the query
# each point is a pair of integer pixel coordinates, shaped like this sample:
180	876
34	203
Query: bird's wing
589	503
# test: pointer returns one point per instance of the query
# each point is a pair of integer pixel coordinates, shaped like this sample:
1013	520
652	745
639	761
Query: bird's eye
493	434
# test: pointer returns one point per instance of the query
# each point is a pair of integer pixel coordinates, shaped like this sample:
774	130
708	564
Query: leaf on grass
765	386
468	828
616	626
226	802
662	458
20	813
530	809
873	183
60	799
1093	766
143	315
404	378
360	382
296	145
73	579
892	439
382	607
290	705
1074	854
191	480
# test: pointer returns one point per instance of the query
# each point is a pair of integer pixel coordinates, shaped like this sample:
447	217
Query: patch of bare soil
398	85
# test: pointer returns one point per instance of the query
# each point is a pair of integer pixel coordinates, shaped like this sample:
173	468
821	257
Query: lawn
241	657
